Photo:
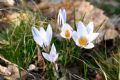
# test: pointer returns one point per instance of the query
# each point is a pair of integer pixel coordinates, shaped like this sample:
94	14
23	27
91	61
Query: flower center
82	41
67	33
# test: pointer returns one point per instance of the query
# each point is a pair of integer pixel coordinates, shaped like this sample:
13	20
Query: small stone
4	71
32	67
7	2
13	17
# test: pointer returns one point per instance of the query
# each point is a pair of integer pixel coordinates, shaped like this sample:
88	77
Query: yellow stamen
67	33
82	41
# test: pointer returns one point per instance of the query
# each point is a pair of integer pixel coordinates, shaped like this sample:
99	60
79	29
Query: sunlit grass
20	44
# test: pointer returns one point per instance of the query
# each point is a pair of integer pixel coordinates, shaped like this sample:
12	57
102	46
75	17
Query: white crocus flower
53	56
84	35
66	31
42	37
61	17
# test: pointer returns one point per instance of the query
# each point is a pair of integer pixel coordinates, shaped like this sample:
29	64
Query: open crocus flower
53	56
61	17
66	31
42	37
84	35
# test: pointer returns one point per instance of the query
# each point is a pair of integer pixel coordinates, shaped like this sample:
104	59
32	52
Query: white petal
53	58
89	46
62	34
36	36
60	19
64	14
53	49
49	31
77	43
49	34
81	29
42	32
74	35
46	56
66	26
35	31
53	55
43	35
38	41
92	36
56	57
90	27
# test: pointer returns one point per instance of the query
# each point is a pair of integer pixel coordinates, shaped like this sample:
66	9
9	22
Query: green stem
67	53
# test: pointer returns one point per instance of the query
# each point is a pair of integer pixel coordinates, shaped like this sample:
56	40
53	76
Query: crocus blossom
84	36
61	17
52	56
66	31
42	37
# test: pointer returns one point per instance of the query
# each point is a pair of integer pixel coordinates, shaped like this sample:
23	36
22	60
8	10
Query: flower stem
55	70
